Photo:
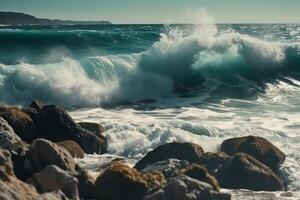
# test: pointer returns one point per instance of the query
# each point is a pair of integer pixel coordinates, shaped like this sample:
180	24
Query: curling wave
202	60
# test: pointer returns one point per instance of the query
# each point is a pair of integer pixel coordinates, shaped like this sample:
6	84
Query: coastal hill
14	18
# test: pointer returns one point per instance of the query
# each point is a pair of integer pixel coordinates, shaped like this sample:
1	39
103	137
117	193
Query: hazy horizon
158	12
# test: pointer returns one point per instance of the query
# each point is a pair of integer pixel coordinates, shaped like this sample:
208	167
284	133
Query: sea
154	84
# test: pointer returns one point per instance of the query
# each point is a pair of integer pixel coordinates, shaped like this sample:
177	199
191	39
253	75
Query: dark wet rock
259	148
20	121
242	171
213	162
179	150
52	178
55	124
43	153
36	105
169	167
8	137
185	188
86	184
73	147
10	187
120	181
201	174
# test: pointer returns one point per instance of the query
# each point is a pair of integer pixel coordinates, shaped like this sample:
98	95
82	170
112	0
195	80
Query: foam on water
132	133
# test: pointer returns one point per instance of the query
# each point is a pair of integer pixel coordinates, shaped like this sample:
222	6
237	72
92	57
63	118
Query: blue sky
160	11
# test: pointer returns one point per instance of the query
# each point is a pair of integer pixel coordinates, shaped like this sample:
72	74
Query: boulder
36	105
185	188
10	187
8	137
213	161
55	124
73	147
43	153
52	178
259	148
19	121
179	150
200	173
119	181
242	171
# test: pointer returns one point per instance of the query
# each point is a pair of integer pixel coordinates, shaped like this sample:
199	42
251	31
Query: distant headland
15	19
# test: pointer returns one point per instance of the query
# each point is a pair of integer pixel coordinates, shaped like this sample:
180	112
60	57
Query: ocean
153	84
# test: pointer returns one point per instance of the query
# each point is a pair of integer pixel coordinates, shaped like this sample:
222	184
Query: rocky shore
39	145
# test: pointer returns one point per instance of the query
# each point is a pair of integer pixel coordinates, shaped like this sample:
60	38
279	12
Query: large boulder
185	188
43	153
73	147
55	124
8	137
179	150
10	187
52	178
21	122
259	148
242	171
120	181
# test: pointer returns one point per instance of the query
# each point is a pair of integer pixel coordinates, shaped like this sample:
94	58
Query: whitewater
153	84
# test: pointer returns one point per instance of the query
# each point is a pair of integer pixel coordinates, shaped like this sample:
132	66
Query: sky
160	11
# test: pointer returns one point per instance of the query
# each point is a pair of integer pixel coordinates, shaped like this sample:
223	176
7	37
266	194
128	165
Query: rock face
259	148
10	187
242	171
120	182
74	148
55	124
183	151
19	121
185	188
7	136
43	153
52	178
